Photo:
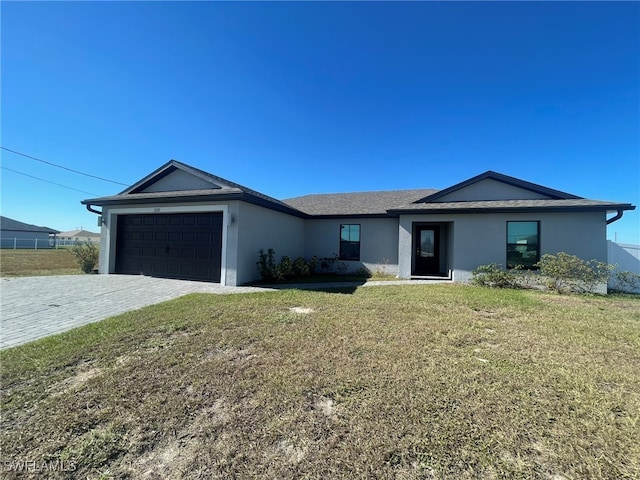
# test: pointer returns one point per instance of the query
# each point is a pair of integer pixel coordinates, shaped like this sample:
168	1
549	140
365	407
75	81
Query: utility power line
48	181
62	167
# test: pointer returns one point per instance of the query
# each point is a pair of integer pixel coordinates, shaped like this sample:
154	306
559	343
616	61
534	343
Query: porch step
431	277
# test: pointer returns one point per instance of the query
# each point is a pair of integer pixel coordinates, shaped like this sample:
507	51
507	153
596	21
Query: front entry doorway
426	250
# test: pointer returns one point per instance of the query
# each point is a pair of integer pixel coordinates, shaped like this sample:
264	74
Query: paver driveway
35	307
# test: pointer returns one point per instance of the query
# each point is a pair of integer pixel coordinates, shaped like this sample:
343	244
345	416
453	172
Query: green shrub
626	281
270	271
494	276
364	272
266	265
327	263
333	265
313	262
285	268
301	267
86	255
568	273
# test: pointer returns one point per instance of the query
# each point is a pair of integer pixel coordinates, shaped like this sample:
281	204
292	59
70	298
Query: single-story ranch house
73	237
16	234
182	222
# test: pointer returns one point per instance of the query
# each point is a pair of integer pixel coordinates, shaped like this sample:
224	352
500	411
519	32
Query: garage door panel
185	246
203	237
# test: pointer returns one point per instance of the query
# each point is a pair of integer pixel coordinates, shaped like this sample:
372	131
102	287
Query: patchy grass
315	278
434	382
26	263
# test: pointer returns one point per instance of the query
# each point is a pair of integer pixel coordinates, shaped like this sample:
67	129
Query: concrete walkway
35	307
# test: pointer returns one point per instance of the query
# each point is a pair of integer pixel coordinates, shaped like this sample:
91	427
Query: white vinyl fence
26	243
16	243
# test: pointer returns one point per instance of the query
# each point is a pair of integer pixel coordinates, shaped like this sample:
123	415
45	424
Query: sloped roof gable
487	192
178	176
178	181
494	186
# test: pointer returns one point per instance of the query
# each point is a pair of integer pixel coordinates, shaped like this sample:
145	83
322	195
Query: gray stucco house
182	222
16	234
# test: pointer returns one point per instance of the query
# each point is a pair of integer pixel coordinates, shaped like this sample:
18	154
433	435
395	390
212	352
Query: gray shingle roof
9	224
379	203
79	233
356	203
497	205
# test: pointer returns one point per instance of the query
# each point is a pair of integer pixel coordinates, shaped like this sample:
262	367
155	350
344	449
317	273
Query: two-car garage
184	223
176	245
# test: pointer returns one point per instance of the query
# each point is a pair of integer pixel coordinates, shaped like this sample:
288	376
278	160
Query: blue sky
296	98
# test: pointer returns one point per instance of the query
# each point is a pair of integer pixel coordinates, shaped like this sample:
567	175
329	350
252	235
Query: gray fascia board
242	196
349	216
185	198
585	208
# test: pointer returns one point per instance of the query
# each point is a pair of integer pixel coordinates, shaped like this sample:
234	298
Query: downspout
618	216
93	210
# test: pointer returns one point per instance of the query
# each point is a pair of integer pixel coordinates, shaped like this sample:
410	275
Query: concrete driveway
35	307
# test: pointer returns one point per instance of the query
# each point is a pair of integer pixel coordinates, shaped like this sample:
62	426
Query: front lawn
31	262
434	382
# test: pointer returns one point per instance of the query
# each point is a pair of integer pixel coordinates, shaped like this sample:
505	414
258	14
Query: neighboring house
626	258
15	234
182	222
73	237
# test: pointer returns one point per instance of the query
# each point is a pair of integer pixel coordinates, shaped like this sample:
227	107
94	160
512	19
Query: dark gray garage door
182	245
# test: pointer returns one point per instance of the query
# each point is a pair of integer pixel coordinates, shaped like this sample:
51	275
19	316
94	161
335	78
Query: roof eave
521	209
126	199
222	197
329	216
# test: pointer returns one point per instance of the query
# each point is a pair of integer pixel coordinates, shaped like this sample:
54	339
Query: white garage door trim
112	227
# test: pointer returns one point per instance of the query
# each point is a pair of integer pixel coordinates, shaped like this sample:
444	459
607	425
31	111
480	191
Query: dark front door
181	245
427	250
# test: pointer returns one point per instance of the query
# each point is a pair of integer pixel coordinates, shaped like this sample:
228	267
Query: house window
523	244
349	242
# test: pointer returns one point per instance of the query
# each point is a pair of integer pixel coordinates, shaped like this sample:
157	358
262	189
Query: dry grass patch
25	263
439	382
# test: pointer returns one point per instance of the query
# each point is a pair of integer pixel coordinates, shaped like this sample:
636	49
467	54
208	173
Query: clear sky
314	97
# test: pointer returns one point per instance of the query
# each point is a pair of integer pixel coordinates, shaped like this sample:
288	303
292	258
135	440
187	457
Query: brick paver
35	307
